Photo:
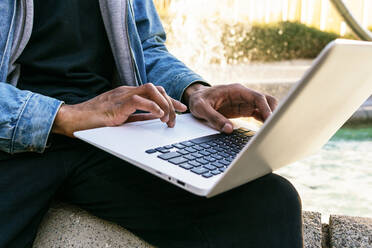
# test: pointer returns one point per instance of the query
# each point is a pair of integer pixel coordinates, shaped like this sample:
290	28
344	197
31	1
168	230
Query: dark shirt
68	56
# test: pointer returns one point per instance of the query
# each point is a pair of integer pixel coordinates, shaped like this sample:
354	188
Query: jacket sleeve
26	119
162	68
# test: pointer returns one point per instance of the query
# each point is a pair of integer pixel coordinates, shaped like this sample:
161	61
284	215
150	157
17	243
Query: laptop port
181	183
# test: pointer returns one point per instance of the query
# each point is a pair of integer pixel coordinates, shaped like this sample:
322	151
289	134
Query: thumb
178	106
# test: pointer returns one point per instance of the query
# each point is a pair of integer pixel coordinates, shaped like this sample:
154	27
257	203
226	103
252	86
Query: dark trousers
263	213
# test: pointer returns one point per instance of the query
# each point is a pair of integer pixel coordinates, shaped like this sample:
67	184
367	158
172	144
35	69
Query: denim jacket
26	118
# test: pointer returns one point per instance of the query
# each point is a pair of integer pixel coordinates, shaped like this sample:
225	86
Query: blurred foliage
272	42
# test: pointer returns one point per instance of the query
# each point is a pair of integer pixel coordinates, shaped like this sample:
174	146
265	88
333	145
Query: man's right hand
117	106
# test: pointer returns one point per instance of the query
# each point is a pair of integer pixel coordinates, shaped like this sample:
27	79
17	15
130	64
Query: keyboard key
207	175
189	157
202	161
242	130
150	151
218	164
212	144
222	169
177	161
223	154
190	149
218	149
211	150
249	134
216	172
205	139
162	150
229	159
197	155
179	146
199	170
236	150
223	147
232	153
210	159
169	155
198	148
216	156
194	163
168	147
224	162
187	143
186	166
205	146
204	153
183	152
210	167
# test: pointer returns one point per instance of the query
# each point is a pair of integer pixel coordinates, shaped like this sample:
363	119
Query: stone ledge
312	227
68	226
346	231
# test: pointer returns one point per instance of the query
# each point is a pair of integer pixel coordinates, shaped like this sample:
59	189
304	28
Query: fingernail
227	128
165	119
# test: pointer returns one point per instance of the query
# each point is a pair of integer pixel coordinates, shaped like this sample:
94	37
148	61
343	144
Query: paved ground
286	71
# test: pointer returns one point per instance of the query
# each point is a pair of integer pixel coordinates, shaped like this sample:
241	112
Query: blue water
337	179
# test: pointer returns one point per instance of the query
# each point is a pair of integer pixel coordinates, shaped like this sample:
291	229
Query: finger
259	102
263	106
216	119
148	90
178	106
140	103
257	115
141	117
273	102
172	113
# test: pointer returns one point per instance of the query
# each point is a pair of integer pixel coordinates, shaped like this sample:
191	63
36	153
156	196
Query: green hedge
272	42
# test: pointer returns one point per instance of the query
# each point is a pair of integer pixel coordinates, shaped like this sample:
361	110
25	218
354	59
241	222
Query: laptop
203	161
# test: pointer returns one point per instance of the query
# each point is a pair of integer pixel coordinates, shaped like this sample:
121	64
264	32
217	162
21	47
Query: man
76	64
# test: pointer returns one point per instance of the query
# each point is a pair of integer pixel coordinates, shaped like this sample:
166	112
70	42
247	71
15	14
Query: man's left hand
218	103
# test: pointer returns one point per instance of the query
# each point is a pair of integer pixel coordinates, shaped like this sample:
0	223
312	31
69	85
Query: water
337	179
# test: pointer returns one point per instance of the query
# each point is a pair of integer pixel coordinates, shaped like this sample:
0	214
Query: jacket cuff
35	124
183	81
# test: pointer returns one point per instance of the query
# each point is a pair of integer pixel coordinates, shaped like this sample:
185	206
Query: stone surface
350	232
312	230
67	226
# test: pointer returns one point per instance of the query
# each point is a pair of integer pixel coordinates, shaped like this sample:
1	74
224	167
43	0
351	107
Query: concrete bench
68	226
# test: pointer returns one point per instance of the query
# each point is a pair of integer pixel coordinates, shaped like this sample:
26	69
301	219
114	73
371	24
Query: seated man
69	65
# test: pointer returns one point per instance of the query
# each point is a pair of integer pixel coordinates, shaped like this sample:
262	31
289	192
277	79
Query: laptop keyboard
206	156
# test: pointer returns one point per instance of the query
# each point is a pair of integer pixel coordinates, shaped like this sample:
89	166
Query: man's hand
117	106
217	104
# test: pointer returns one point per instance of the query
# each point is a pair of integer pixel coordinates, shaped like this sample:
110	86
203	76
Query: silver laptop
201	160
